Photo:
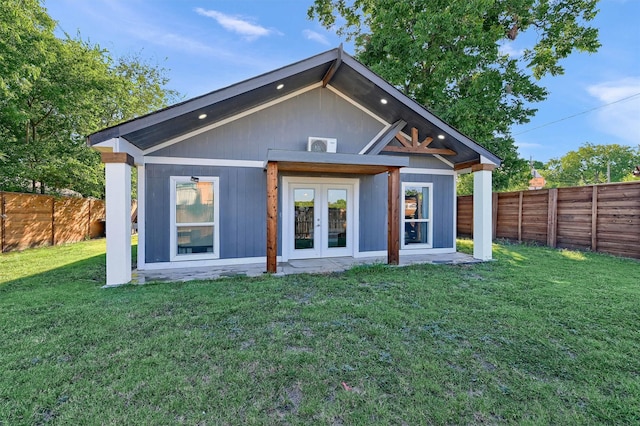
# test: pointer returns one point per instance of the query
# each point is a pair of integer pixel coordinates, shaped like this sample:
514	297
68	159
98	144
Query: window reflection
337	229
416	215
303	209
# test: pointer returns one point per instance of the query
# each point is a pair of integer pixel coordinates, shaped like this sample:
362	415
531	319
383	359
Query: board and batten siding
373	211
284	126
443	206
423	162
242	201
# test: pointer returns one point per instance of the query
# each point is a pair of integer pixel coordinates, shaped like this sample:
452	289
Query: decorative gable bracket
414	146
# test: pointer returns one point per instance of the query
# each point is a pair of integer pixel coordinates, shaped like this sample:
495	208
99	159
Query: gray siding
285	126
443	204
242	209
421	161
373	212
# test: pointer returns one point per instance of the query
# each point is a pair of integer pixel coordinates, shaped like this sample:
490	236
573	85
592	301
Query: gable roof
335	68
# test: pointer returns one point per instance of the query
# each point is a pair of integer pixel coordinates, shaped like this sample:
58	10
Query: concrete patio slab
298	266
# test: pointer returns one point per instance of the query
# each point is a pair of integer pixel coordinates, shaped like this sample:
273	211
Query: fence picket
574	217
32	220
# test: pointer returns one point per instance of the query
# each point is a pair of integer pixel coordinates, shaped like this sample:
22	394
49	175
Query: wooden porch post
272	217
393	215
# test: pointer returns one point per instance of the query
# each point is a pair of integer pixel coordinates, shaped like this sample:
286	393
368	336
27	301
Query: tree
446	54
592	164
57	90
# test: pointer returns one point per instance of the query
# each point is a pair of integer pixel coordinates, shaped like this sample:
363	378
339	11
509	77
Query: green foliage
539	336
55	91
592	164
446	54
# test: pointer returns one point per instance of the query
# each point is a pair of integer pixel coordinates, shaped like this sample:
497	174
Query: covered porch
279	161
292	267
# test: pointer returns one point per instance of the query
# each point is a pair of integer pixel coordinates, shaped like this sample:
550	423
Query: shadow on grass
86	270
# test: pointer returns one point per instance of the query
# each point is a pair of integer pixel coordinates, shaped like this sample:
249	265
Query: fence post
88	236
552	218
494	214
594	219
520	216
2	213
53	221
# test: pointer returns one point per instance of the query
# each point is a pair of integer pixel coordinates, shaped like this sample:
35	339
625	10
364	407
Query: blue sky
210	44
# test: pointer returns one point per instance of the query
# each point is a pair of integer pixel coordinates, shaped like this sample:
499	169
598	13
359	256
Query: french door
320	217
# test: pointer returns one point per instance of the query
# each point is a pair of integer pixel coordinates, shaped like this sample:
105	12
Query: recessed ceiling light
383	101
202	116
440	136
280	86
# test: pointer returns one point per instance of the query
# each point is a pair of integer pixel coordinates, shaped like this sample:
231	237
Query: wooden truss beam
417	147
332	70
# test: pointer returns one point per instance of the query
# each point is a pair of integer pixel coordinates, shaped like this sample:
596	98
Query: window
194	218
417	198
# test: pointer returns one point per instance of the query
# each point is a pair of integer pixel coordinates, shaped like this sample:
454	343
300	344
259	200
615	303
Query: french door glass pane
195	239
303	209
337	229
194	202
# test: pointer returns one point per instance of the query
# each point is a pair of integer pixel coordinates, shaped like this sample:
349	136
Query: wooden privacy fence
603	218
32	220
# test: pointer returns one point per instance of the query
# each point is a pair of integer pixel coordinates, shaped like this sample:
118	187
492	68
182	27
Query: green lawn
539	336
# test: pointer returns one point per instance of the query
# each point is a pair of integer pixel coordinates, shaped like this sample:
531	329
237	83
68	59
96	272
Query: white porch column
482	211
118	207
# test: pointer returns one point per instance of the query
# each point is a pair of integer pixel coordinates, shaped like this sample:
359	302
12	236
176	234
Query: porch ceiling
317	162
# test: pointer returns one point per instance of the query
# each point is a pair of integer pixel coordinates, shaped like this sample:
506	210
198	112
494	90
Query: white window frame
175	257
429	221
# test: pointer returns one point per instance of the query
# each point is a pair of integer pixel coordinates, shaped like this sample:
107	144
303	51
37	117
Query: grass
539	336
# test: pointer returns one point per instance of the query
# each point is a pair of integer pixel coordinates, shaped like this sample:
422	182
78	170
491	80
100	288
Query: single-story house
320	158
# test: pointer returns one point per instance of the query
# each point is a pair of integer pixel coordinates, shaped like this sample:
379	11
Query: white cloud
528	145
508	49
171	40
314	36
621	119
236	24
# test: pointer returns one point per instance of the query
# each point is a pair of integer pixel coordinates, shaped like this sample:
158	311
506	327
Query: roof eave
211	98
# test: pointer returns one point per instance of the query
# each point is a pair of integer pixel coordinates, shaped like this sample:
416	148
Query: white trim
357	105
232	118
142	246
417	171
375	139
410	252
406	252
184	161
482	215
445	161
120	145
485	160
378	253
287	181
118	222
455	209
428	220
173	255
206	263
